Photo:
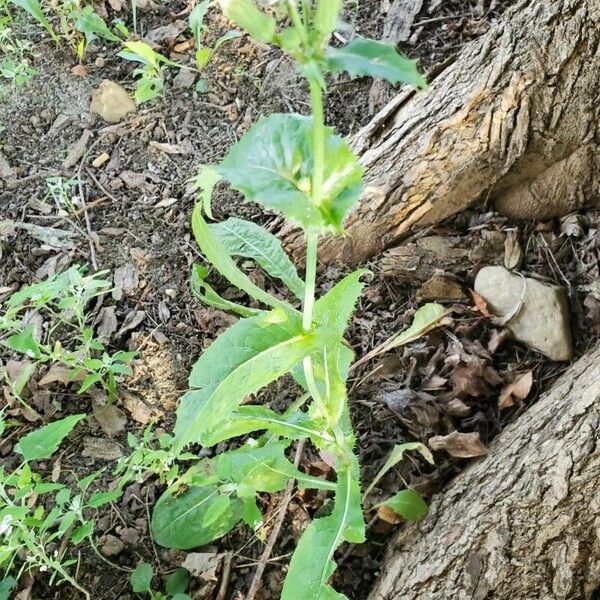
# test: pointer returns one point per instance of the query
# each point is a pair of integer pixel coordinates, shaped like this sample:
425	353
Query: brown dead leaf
126	279
513	253
459	445
107	324
56	373
519	389
385	513
480	304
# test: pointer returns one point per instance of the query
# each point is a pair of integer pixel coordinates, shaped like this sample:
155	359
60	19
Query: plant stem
312	242
316	101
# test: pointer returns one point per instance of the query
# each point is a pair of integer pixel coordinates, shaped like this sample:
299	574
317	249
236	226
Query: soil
139	206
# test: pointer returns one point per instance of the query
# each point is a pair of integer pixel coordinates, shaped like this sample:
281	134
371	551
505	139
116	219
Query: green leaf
425	319
43	442
408	504
247	239
251	514
196	19
369	58
89	381
395	457
177	519
82	532
206	294
34	8
205	183
201	412
101	498
273	164
141	578
245	14
6	586
143	53
312	564
241	342
92	24
216	254
202	57
327	16
263	469
248	419
24	343
177	582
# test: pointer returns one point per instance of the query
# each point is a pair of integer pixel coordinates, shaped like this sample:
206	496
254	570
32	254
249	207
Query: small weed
66	337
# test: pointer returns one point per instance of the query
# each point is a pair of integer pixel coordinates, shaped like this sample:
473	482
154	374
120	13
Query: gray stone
539	312
111	101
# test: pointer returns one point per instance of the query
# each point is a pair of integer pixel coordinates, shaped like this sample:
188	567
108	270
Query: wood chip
100	160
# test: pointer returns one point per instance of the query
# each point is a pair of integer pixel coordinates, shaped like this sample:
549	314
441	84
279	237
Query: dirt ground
139	205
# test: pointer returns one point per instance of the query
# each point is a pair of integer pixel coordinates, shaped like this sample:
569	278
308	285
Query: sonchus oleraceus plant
297	166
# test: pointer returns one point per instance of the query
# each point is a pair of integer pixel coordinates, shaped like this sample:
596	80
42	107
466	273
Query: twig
287	497
86	216
225	577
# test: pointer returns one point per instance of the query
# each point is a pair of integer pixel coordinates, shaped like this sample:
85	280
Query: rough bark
513	119
522	523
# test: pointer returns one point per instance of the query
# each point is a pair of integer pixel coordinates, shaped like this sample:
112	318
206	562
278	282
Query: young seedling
175	584
68	338
35	530
198	27
298	166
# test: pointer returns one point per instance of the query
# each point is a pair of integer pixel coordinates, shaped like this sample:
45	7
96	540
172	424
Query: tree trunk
513	119
522	523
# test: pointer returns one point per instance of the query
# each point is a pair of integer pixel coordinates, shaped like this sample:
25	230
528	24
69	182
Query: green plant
295	165
150	82
38	518
14	64
63	192
196	21
175	584
68	339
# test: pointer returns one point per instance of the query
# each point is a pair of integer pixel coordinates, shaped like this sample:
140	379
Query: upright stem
312	238
316	101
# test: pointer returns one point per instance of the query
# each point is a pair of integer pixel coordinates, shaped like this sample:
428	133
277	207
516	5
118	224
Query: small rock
110	418
6	171
111	101
541	322
440	287
101	449
129	535
184	79
112	545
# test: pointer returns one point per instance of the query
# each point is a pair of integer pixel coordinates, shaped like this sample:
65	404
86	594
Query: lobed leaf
92	24
370	58
273	163
247	239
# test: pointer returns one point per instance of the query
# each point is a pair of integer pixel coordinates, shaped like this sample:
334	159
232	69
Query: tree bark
522	523
513	119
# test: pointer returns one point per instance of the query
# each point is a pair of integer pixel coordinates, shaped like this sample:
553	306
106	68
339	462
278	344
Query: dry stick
225	577
287	497
86	216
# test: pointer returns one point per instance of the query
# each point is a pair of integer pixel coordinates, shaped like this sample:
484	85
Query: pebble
543	320
111	102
